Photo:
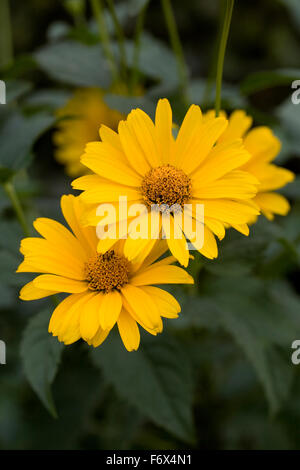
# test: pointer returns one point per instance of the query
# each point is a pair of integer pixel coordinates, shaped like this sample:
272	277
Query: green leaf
258	323
156	379
267	79
48	98
17	136
289	117
135	6
292	190
40	354
7	296
15	89
293	6
125	104
157	61
230	94
74	63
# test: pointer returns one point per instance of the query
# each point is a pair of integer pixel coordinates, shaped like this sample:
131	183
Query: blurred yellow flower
81	118
104	289
263	146
145	163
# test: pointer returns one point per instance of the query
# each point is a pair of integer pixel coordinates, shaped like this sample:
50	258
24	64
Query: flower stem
120	37
221	53
6	43
97	9
137	45
12	195
176	46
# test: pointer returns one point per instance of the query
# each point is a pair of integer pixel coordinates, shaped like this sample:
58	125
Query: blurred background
221	376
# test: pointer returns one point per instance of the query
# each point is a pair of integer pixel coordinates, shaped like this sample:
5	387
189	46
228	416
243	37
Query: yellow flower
104	288
80	120
263	146
145	163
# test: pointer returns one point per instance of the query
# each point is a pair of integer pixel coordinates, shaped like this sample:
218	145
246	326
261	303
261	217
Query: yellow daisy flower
263	146
145	163
104	288
86	111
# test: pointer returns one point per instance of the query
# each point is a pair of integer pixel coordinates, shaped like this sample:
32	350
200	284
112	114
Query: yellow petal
89	318
72	209
107	162
60	284
200	146
235	185
272	177
242	228
167	304
110	309
176	239
223	158
262	144
162	275
110	137
63	309
45	257
272	203
129	331
109	192
163	130
87	182
238	125
210	247
31	292
99	337
144	131
144	308
226	211
60	236
186	134
131	146
69	328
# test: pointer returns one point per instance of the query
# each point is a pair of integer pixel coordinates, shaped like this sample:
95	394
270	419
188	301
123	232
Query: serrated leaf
17	136
74	63
40	354
258	323
156	379
156	60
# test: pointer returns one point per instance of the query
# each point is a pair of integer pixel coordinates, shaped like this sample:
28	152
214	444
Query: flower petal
129	331
162	275
60	284
143	307
31	292
110	309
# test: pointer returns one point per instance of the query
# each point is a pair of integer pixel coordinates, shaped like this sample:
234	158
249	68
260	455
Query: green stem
137	45
120	37
12	195
176	46
6	43
221	54
97	9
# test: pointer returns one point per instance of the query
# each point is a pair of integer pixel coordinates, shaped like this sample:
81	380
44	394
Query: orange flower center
166	185
107	272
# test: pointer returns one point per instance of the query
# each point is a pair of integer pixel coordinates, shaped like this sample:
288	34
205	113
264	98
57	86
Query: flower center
166	185
107	271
